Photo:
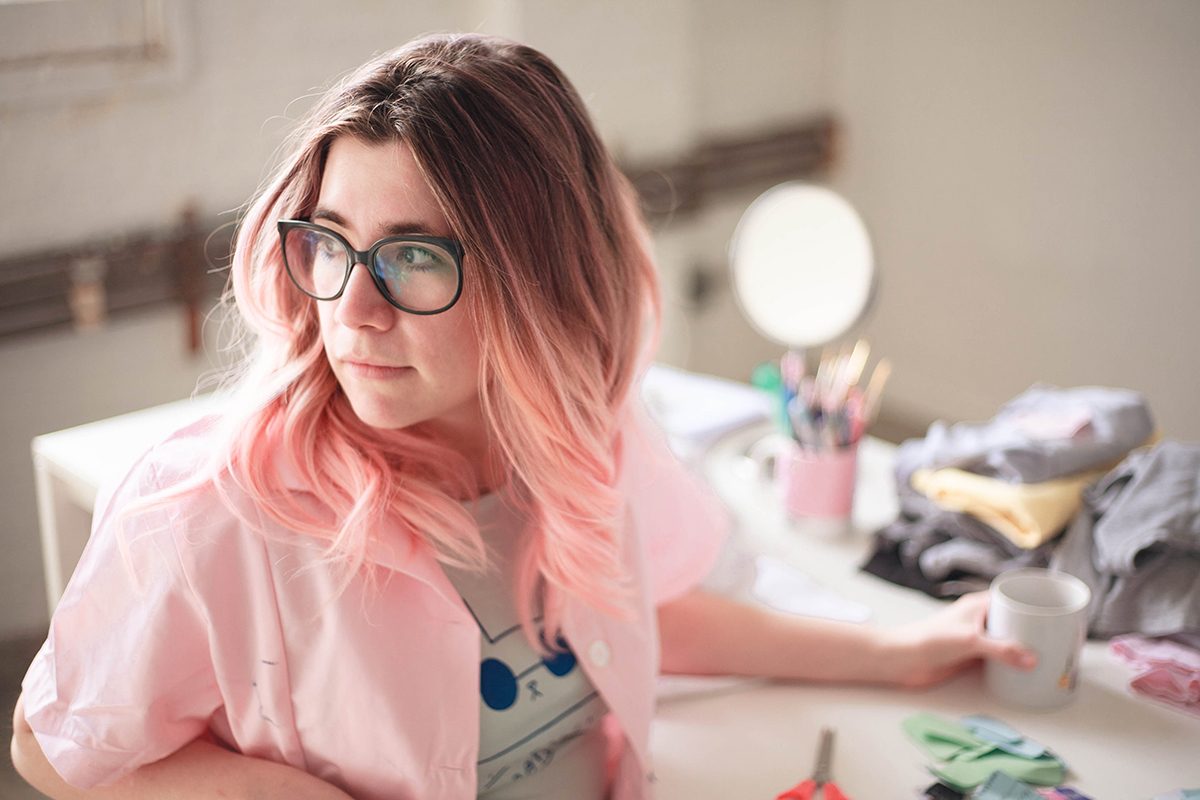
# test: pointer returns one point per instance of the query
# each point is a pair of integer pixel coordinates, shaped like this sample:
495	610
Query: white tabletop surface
85	457
755	739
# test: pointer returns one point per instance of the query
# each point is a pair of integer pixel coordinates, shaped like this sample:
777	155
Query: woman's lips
377	371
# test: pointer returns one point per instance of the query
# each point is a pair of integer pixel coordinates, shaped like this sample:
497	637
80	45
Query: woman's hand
935	648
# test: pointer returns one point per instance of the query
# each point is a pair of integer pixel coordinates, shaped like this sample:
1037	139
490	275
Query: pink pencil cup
818	483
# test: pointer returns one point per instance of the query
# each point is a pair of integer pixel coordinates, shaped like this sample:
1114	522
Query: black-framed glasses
417	274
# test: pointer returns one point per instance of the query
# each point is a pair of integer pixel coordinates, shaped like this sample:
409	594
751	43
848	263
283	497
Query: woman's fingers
1007	651
976	604
1012	653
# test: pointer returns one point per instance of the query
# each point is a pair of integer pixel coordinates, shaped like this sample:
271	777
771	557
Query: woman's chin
383	416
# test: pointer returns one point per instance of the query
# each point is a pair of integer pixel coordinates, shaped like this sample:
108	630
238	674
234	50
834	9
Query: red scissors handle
801	791
806	790
832	792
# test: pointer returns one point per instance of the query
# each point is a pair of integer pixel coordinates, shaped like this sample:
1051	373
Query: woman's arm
706	634
199	770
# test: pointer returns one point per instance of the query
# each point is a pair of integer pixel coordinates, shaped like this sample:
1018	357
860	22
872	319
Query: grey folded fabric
1136	543
946	553
1033	438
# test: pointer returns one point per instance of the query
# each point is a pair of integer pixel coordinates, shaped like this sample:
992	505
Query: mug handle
764	455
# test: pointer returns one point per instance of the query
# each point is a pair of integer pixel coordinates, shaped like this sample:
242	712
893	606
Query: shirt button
599	653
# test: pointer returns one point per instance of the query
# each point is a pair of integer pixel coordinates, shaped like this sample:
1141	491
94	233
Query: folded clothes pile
1167	669
970	750
977	499
1136	543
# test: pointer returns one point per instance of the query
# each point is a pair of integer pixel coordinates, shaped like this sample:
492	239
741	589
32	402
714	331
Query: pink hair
559	285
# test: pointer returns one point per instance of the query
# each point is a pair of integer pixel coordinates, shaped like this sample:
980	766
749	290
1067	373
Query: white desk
755	740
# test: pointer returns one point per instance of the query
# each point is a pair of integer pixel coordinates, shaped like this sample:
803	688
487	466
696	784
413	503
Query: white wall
132	159
1031	175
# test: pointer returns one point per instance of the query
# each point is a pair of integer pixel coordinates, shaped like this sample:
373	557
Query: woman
432	549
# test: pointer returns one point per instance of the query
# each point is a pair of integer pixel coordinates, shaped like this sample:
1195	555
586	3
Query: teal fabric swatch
1003	787
1003	736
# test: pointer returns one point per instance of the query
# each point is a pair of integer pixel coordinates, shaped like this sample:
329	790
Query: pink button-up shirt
203	625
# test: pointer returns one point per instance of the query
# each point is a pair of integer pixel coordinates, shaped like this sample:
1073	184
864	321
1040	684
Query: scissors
819	785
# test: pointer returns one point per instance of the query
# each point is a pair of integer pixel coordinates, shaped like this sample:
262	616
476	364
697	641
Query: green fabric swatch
970	760
1041	771
941	738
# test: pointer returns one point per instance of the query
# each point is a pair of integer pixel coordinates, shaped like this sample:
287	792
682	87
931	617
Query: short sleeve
681	522
125	676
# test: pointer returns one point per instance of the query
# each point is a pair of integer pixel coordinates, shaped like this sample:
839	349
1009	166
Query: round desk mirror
802	264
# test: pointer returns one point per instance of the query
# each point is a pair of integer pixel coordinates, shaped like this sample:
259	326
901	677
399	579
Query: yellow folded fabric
1027	513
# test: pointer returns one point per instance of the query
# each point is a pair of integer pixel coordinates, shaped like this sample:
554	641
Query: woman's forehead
376	189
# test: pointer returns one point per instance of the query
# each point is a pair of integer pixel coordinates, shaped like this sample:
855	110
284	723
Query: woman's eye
327	248
420	259
419	256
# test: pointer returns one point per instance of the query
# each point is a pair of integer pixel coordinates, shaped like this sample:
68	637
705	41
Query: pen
802	424
791	368
854	367
874	389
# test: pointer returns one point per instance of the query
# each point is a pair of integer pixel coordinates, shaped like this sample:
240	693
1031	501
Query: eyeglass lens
417	275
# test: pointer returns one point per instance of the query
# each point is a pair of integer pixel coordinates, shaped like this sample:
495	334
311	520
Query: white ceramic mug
1047	612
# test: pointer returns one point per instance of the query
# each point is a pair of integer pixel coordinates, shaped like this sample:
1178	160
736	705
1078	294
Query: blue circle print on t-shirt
560	663
497	684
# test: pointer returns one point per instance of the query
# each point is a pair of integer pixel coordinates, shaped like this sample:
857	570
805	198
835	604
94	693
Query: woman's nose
361	304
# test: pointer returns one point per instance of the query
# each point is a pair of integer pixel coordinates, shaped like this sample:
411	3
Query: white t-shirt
540	733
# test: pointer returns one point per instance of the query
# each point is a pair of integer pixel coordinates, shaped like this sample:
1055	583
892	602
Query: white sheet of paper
695	409
785	588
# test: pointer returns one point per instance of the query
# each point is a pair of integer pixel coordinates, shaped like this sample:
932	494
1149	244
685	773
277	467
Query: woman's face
397	369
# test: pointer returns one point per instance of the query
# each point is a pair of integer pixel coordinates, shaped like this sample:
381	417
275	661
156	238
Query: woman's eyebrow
328	214
392	229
